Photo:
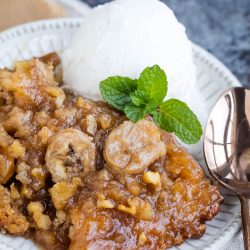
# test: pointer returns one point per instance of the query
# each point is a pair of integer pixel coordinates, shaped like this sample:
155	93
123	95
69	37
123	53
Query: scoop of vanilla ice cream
124	37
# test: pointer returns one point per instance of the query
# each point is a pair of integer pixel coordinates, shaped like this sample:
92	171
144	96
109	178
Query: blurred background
220	26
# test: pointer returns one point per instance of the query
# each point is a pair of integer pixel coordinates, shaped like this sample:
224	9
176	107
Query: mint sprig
175	116
116	91
134	113
153	83
144	96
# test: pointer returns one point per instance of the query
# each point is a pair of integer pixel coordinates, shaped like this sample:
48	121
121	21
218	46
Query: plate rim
69	22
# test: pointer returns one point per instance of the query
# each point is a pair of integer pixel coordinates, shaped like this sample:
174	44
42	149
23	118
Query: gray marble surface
220	26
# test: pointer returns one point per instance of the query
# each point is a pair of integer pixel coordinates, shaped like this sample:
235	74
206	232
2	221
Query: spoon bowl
227	148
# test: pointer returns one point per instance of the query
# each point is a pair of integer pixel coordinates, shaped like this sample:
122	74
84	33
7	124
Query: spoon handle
245	213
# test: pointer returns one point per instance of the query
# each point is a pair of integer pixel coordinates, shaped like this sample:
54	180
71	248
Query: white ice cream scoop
124	37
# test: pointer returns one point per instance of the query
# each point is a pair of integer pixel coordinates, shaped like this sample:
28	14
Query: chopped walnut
18	121
36	210
6	168
10	219
146	211
66	115
42	118
91	125
142	239
134	186
152	178
61	192
131	209
54	91
57	93
80	102
22	173
14	193
105	203
178	240
84	103
39	177
45	134
138	208
26	191
60	218
6	140
17	149
105	121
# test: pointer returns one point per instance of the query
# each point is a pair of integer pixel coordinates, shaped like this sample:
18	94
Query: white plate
213	78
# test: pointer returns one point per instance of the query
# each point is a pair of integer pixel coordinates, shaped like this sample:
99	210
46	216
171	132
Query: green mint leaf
175	116
153	82
139	98
116	91
157	118
150	108
134	113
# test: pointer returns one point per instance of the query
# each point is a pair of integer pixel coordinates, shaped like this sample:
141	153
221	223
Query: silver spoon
227	148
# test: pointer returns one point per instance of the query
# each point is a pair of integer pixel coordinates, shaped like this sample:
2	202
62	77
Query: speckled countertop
220	26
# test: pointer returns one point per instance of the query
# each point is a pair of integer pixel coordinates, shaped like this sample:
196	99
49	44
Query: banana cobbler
76	174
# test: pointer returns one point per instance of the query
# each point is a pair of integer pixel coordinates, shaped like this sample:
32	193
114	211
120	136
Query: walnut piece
152	178
10	219
61	192
139	208
36	210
